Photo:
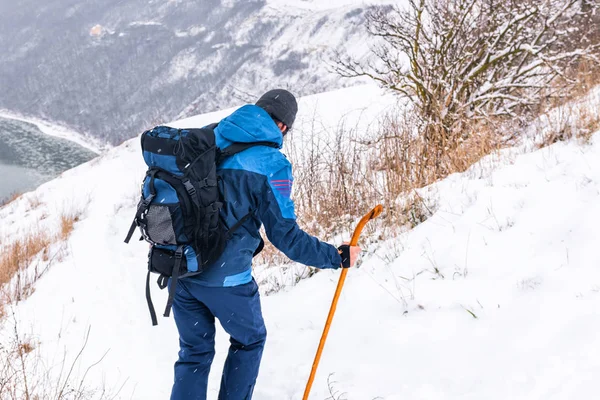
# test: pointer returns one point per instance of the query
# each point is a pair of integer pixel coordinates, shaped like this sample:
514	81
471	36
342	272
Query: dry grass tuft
67	223
16	283
19	254
573	115
10	199
26	375
579	121
34	202
588	125
19	269
26	347
587	74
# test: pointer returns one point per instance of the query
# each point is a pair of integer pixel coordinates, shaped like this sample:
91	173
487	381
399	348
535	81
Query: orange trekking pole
374	213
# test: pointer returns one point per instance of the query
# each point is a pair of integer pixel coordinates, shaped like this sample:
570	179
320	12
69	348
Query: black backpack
178	213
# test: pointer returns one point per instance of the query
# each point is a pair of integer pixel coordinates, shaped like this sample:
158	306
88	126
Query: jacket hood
248	124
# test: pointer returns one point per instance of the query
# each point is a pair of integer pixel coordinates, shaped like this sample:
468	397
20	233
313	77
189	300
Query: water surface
29	157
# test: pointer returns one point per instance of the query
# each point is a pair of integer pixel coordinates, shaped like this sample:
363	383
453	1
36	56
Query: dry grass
25	260
589	124
16	283
26	346
571	115
341	175
577	121
67	223
587	75
335	184
337	181
19	254
26	375
10	199
33	202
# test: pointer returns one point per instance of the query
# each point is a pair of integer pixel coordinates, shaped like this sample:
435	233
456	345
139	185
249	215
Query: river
29	157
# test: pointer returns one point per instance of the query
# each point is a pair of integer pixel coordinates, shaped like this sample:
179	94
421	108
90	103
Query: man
257	180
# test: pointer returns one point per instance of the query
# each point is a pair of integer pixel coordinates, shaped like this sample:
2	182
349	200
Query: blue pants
238	310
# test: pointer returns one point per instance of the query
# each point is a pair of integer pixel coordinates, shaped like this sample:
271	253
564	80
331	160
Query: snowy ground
510	314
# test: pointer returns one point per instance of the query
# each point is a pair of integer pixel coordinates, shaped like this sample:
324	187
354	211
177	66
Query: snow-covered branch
472	59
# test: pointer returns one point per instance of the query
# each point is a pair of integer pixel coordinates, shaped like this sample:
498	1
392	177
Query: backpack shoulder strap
239	147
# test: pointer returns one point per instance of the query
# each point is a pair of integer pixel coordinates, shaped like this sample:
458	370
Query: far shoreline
60	131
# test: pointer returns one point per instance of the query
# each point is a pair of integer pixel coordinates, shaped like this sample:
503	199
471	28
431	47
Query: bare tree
460	61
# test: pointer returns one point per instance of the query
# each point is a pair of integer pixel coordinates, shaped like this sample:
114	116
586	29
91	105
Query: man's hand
349	254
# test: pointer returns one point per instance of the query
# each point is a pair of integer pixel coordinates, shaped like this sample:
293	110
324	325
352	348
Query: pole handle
374	213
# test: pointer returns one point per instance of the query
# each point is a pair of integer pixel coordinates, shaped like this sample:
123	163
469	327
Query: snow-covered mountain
494	297
111	68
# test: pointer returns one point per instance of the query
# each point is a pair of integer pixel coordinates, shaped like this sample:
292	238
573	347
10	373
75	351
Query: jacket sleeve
276	211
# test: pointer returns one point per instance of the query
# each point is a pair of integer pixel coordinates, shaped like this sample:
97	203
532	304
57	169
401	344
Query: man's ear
282	127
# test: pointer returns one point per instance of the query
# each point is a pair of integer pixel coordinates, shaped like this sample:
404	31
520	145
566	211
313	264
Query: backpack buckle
189	187
179	252
146	202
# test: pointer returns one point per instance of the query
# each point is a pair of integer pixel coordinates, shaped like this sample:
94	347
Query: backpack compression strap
142	207
163	282
174	279
149	301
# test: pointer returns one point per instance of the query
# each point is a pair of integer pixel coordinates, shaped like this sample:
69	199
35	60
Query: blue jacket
259	180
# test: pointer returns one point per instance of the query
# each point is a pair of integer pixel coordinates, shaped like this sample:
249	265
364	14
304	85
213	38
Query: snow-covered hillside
493	297
111	67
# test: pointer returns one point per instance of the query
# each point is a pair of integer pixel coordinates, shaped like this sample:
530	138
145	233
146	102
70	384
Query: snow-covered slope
493	297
